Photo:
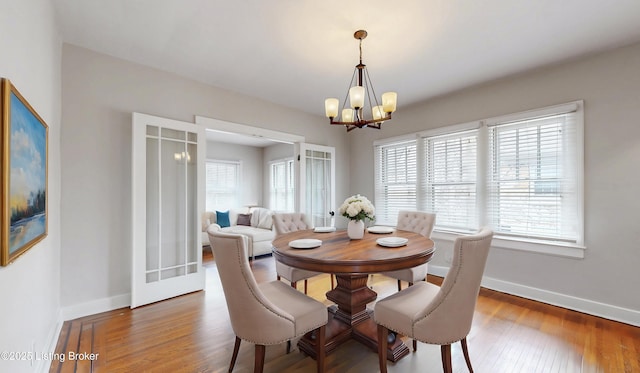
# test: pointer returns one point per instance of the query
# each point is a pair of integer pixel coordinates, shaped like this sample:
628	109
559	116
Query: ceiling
298	52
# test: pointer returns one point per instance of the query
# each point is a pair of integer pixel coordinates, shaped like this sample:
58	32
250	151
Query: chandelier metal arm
363	123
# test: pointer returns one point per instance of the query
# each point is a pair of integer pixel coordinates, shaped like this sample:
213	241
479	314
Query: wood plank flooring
192	333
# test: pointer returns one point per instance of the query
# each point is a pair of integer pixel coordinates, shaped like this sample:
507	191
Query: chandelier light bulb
389	100
356	97
347	115
331	107
377	113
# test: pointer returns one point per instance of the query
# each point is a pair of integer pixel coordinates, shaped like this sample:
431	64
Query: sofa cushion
244	219
256	234
222	218
261	218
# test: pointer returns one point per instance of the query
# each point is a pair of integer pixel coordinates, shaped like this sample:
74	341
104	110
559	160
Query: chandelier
365	110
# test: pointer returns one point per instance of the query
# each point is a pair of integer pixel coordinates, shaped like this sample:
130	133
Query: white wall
31	59
250	158
99	94
605	281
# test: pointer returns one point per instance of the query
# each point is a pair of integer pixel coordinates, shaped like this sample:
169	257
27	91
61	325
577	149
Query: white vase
355	229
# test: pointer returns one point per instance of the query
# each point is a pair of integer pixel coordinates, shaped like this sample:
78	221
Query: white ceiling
298	52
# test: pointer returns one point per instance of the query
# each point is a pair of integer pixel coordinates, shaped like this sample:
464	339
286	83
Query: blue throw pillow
222	218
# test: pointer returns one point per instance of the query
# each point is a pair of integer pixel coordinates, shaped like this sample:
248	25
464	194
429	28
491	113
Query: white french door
317	183
167	195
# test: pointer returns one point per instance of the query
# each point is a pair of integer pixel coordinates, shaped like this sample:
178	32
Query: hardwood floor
191	333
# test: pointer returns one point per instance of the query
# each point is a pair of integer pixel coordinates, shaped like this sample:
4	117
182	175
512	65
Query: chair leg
465	351
320	353
445	351
332	284
236	348
415	345
383	333
259	363
399	285
278	277
288	346
305	286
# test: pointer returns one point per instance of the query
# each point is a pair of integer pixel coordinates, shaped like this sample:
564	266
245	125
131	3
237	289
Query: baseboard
43	365
96	306
607	311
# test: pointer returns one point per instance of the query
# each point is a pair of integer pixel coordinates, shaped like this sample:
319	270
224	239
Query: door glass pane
192	207
168	133
152	197
318	187
192	268
153	276
172	205
152	130
172	272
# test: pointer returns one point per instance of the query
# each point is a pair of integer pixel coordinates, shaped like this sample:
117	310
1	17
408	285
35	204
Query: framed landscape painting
23	188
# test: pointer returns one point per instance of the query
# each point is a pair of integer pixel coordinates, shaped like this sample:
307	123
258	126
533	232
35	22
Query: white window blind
450	180
282	188
521	174
395	180
532	178
223	185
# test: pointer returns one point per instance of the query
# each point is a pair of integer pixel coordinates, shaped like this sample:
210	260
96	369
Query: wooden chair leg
415	345
320	353
445	351
465	351
383	333
332	283
259	363
399	285
236	348
305	286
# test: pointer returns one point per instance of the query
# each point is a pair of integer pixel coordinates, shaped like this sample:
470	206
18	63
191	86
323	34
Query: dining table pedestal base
350	319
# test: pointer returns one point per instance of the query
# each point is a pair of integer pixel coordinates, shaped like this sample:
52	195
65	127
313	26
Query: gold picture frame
24	140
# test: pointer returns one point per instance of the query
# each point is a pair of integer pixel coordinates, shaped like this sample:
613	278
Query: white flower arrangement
357	208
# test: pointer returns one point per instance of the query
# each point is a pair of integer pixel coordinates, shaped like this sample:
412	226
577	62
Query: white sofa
259	234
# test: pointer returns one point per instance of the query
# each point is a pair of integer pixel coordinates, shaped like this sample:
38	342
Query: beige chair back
253	317
448	317
289	222
417	222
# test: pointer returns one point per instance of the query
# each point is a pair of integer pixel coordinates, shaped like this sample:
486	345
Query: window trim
547	247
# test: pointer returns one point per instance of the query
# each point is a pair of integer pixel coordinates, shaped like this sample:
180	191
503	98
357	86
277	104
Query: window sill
562	249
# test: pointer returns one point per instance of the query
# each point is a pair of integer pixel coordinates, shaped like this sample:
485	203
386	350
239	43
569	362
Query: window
521	174
282	189
223	185
450	177
532	187
396	179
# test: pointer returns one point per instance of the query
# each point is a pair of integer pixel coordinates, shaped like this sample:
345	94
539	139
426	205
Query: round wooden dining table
352	261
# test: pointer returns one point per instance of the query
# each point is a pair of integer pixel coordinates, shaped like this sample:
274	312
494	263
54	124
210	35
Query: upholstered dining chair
438	314
292	222
267	313
417	222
